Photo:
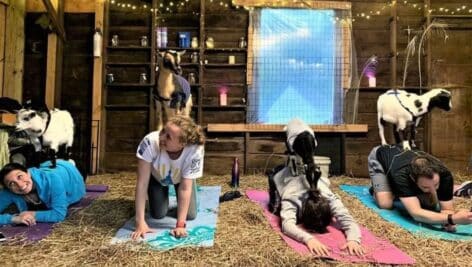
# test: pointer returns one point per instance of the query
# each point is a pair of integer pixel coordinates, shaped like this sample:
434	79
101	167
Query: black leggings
159	199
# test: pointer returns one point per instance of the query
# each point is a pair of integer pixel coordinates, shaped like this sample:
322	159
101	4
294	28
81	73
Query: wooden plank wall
450	68
35	52
77	81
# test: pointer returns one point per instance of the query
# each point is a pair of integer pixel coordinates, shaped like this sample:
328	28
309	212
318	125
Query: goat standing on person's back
406	109
53	128
173	95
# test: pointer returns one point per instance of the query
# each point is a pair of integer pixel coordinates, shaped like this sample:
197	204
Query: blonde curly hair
191	133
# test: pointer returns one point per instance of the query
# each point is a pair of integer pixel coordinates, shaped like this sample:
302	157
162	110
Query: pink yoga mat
378	250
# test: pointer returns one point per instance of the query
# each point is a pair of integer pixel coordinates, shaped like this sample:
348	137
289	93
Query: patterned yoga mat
201	230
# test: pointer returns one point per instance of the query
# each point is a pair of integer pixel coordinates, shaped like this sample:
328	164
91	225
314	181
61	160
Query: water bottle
235	173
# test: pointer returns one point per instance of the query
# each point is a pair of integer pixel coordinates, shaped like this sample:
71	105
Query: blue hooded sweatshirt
57	188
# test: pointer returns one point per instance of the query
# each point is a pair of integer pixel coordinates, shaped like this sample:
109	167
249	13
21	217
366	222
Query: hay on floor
243	236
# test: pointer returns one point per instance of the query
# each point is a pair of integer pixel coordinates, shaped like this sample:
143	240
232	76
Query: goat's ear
43	114
181	52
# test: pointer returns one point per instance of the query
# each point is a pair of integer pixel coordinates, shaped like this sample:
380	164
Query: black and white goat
52	128
405	110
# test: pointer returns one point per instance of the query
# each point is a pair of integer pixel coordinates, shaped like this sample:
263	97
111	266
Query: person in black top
421	182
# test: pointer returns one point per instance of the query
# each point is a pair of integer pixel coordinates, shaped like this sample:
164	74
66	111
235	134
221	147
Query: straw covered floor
243	236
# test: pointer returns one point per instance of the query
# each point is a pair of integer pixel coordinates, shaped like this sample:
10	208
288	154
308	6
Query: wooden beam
427	124
3	16
97	126
57	24
241	127
393	45
14	50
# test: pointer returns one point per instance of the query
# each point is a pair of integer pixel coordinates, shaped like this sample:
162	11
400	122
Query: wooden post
54	63
3	16
13	50
97	93
427	124
393	45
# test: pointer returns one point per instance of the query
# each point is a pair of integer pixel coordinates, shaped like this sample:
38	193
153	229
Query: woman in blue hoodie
40	194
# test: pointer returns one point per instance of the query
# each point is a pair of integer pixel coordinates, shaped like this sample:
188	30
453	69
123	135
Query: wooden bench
251	155
321	128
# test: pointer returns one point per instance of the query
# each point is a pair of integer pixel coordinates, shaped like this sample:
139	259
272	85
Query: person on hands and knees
305	197
40	194
422	183
171	156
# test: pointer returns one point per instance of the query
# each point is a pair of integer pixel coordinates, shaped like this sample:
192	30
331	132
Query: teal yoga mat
201	230
400	217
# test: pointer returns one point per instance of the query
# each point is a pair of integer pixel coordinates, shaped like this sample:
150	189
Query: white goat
406	109
55	128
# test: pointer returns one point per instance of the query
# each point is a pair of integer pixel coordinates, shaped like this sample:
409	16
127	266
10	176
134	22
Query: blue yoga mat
400	217
201	230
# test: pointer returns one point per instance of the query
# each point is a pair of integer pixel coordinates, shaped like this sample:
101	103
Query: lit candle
223	96
372	82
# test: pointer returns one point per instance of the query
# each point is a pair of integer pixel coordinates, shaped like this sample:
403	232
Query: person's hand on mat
462	217
141	229
354	248
179	232
26	217
315	247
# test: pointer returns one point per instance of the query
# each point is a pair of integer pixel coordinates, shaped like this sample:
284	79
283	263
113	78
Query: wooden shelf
122	106
224	65
226	49
177	48
241	127
129	64
223	83
130	84
189	64
130	47
224	107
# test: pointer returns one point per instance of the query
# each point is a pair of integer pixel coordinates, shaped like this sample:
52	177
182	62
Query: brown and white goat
405	110
173	96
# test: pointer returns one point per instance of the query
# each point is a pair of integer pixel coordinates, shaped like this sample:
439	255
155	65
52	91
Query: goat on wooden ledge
173	95
406	109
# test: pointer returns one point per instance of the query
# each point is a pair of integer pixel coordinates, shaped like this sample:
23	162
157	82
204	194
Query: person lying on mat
421	182
300	196
40	194
171	156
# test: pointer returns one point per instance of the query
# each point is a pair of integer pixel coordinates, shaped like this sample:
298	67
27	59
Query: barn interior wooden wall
446	64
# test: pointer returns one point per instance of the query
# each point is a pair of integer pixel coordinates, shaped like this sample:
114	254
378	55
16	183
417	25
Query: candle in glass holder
223	96
372	82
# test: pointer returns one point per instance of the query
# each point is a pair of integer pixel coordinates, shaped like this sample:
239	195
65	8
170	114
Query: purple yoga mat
27	234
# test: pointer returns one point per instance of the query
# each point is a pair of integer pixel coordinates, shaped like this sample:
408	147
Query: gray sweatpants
377	173
159	199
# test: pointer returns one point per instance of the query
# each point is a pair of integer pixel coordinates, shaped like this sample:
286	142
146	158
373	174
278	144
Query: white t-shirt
168	171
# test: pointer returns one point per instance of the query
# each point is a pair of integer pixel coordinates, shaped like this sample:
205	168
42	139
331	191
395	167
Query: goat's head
440	98
32	122
170	59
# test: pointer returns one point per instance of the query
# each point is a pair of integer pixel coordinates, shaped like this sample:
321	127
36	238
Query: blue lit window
296	71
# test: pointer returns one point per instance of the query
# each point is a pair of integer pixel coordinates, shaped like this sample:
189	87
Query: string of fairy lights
173	6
